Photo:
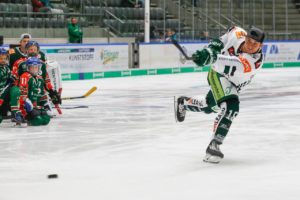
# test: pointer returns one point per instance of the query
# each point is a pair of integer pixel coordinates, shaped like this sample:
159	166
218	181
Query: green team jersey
33	88
15	54
5	74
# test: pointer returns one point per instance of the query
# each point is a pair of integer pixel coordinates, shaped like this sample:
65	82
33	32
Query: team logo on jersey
240	34
246	64
228	90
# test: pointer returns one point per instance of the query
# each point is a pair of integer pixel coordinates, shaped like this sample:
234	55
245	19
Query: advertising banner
281	51
167	55
88	58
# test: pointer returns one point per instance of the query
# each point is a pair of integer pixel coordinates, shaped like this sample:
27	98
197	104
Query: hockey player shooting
235	58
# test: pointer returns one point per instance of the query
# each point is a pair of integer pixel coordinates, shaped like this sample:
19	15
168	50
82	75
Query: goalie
234	58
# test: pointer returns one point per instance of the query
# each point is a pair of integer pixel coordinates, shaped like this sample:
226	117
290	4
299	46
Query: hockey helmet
4	52
33	65
256	34
32	43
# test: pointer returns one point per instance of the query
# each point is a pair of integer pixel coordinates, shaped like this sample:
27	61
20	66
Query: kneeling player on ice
6	80
235	58
33	97
19	67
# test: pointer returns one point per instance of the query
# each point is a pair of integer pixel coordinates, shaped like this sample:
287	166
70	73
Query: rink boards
94	61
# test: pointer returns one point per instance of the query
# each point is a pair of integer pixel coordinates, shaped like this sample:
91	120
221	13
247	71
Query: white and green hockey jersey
238	67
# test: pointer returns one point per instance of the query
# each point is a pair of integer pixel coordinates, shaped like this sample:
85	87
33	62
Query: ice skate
213	152
19	120
179	108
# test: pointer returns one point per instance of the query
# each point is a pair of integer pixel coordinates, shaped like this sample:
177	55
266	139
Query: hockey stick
4	89
93	89
57	105
181	49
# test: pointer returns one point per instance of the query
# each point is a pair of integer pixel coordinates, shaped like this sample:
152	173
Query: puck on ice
52	176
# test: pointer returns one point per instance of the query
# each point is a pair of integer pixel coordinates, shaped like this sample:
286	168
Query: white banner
168	56
282	51
88	58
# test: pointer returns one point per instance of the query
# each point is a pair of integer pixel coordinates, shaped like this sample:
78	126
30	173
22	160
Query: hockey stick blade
176	44
88	93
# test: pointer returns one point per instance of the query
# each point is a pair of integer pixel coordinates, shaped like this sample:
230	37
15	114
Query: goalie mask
33	66
4	57
32	48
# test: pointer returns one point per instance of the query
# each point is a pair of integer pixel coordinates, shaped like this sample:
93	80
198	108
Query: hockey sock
229	110
14	99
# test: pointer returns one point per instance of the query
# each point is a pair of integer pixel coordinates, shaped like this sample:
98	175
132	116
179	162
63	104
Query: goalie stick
176	44
93	89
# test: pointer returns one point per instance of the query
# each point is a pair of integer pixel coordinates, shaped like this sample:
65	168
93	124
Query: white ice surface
127	146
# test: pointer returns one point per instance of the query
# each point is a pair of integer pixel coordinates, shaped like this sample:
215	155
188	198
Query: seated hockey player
6	81
235	58
19	67
33	97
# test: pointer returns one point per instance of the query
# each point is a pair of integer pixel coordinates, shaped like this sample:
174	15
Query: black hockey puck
52	176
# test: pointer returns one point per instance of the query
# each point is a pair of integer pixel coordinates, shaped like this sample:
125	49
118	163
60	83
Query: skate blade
212	159
175	108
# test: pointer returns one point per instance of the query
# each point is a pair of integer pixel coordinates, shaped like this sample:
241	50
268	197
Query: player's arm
54	95
24	88
47	81
42	96
15	72
209	54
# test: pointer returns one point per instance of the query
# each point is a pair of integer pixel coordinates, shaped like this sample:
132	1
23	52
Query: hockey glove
208	55
55	97
34	113
216	45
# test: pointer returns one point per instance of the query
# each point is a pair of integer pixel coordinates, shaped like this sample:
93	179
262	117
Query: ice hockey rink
127	145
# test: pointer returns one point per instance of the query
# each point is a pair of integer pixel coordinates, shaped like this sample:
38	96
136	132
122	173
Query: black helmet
256	34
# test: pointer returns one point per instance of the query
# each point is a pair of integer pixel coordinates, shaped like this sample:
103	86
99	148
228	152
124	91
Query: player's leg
4	103
38	117
226	97
2	97
229	110
15	105
193	104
